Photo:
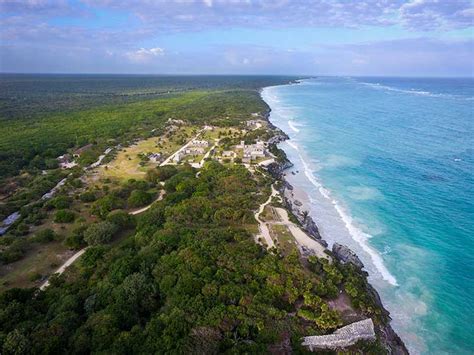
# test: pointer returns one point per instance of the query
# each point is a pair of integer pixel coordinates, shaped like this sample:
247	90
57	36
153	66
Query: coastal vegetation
190	277
154	216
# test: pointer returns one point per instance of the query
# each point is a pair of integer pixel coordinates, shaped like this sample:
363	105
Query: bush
76	239
165	172
88	196
120	218
77	183
100	233
15	251
20	230
64	216
104	205
44	236
139	198
60	202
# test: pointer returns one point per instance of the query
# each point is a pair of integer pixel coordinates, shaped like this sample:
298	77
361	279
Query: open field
40	261
128	163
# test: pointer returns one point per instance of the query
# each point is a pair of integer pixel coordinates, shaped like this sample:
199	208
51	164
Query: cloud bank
429	37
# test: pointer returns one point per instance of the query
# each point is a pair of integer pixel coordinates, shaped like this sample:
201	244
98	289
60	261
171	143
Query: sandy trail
301	237
203	160
64	266
76	256
264	232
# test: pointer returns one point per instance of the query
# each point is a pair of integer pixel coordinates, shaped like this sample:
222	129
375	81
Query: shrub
64	216
100	233
20	230
44	236
76	183
104	205
15	251
165	172
60	202
88	196
120	218
76	239
139	198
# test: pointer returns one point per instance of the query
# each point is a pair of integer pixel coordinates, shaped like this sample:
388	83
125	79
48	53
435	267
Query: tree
16	343
76	239
60	202
88	196
120	218
165	172
139	198
100	233
44	236
64	216
104	205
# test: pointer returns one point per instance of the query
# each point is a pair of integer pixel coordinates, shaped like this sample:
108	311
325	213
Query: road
167	160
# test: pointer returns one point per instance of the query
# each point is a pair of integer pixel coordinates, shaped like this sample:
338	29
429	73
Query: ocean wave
357	235
293	125
417	92
292	145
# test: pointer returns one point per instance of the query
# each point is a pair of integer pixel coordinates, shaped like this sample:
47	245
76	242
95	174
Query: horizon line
307	76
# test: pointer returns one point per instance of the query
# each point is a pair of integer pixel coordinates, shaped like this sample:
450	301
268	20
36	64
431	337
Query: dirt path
76	256
203	160
167	160
143	209
264	232
301	237
64	266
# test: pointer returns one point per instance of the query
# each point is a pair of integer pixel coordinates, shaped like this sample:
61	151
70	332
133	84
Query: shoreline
297	201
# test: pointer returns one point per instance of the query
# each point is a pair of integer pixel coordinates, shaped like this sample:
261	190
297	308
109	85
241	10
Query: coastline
297	201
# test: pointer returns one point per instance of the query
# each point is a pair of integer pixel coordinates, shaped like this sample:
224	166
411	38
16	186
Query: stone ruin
343	337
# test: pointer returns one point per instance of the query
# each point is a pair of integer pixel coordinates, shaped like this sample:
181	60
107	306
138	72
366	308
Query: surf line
356	234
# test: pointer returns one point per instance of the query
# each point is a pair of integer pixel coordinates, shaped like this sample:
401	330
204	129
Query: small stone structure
343	337
346	255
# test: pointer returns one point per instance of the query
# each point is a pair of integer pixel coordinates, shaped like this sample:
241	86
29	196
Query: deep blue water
388	164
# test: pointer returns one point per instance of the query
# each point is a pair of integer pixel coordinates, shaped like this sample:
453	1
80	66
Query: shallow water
387	163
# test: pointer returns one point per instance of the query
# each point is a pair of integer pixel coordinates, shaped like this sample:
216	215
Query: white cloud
144	55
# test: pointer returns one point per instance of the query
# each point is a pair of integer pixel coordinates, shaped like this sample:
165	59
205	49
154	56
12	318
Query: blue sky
315	37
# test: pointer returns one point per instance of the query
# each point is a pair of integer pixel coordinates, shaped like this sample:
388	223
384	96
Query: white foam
292	145
358	235
292	125
416	92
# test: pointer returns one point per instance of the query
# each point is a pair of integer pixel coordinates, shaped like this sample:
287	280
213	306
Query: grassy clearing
283	237
41	260
128	163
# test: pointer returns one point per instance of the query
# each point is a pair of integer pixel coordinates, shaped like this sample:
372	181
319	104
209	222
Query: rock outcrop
343	337
346	255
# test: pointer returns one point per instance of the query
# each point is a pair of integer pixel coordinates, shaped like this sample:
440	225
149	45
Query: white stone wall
343	337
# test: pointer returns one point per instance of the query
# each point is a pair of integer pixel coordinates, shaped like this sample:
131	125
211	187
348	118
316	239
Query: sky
302	37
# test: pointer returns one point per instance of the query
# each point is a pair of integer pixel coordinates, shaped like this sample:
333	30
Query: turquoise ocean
387	164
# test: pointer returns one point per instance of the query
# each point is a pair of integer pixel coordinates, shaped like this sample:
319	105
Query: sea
387	164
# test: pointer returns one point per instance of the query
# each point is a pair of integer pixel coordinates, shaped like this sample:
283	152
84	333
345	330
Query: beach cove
349	183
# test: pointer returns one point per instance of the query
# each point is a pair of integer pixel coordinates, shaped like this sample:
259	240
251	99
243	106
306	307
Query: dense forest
189	279
34	95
